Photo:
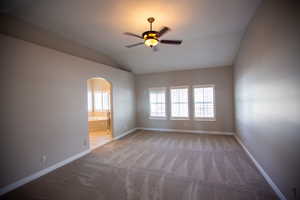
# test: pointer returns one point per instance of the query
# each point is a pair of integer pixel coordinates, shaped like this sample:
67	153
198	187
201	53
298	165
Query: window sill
205	119
179	118
158	118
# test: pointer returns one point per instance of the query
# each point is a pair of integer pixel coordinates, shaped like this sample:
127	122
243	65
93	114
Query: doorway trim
111	111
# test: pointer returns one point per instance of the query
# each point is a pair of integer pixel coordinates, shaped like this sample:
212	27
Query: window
204	102
157	99
179	102
101	101
90	101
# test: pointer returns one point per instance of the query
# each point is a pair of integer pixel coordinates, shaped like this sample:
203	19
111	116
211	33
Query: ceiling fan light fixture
152	38
151	42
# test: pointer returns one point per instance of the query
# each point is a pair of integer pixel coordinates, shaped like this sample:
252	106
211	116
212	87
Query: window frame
214	103
103	96
158	117
188	102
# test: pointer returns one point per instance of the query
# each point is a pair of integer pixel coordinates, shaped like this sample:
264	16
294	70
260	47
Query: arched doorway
99	111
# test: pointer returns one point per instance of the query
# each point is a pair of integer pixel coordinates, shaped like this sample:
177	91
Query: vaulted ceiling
211	29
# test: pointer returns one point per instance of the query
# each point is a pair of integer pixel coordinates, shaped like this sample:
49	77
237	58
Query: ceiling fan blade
134	35
175	42
163	31
133	45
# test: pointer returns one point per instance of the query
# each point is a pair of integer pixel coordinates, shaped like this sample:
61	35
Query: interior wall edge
266	92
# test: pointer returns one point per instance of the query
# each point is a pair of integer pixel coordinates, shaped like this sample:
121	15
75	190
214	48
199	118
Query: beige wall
44	106
220	77
267	92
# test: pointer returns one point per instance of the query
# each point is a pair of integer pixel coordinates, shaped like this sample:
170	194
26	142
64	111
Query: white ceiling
211	29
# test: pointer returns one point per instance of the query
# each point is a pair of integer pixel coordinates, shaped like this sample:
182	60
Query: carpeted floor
155	166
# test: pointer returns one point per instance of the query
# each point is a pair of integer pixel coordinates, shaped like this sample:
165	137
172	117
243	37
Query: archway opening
99	111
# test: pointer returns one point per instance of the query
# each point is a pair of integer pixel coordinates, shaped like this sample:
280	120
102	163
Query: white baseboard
124	134
38	174
262	171
186	131
100	144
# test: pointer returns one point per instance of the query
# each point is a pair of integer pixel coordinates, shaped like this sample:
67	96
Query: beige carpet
155	166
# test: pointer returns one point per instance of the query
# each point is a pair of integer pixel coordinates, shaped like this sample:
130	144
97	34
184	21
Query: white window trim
153	117
179	118
180	87
205	118
157	118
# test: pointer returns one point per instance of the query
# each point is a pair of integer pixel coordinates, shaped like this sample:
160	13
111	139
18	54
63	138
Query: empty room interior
150	100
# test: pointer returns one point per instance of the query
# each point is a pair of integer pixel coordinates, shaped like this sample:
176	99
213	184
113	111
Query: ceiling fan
152	38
